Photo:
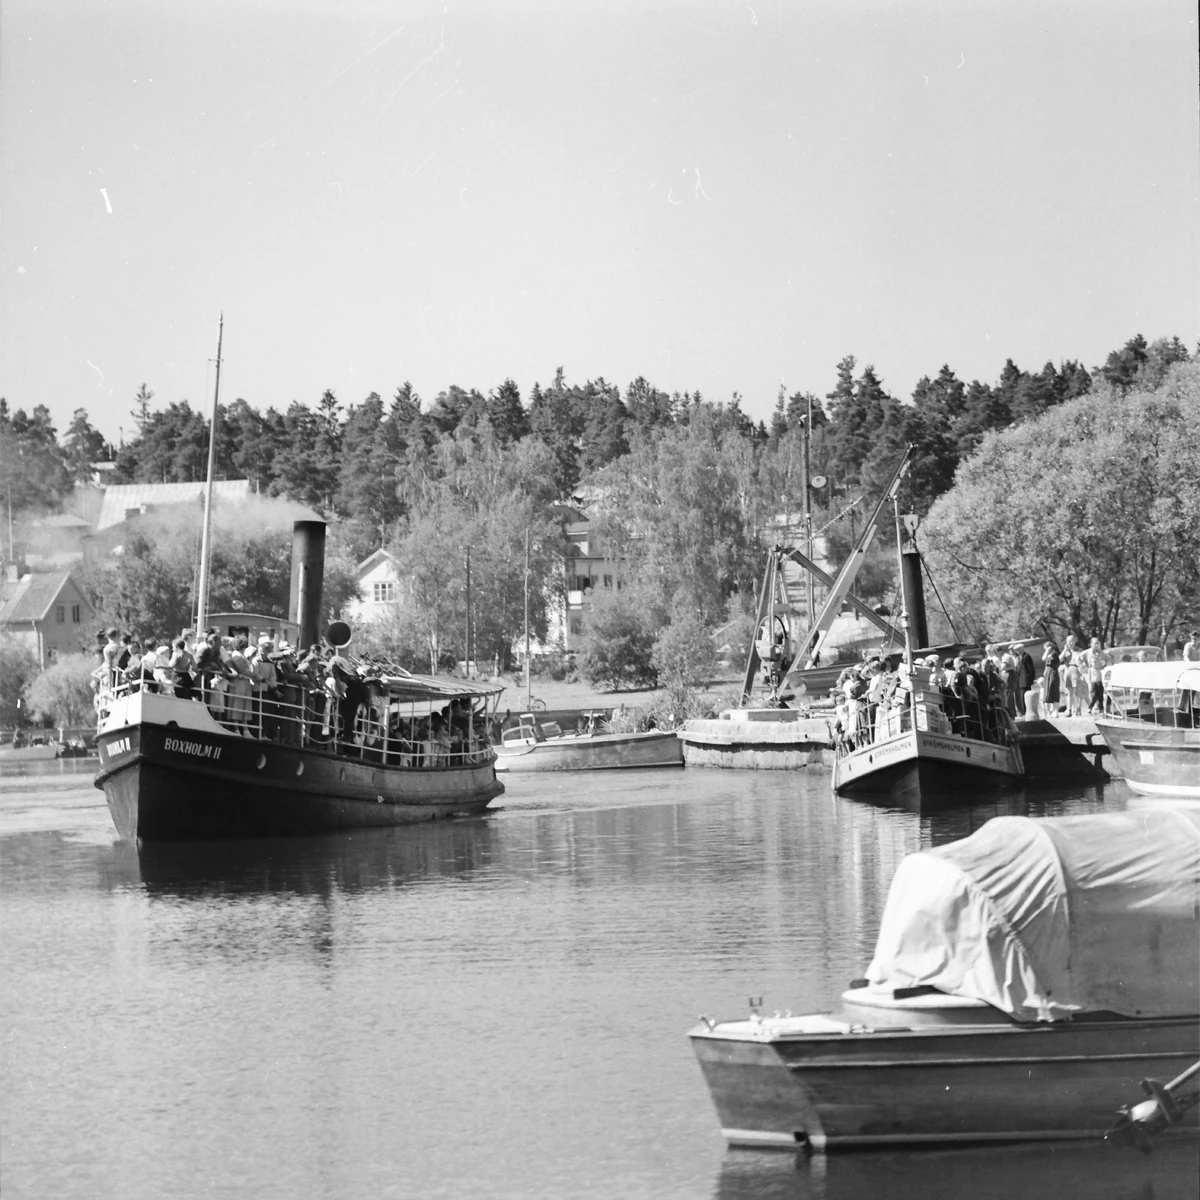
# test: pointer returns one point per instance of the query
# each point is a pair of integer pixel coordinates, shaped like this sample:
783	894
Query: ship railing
311	719
868	723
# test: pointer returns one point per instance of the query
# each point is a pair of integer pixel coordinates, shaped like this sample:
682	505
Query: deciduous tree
1084	522
63	692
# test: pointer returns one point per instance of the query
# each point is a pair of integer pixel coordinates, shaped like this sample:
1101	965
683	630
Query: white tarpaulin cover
1045	918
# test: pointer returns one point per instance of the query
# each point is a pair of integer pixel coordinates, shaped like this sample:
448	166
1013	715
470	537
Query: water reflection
495	1006
346	863
1058	1171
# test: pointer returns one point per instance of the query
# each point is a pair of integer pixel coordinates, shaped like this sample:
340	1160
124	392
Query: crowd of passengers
979	699
983	697
283	694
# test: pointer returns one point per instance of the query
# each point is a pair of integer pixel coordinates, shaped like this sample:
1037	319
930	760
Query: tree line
686	491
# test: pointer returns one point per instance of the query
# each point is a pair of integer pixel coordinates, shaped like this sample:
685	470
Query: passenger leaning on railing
142	670
111	652
211	669
182	663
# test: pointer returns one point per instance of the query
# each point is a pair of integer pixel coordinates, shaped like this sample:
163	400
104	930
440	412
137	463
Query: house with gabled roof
48	611
378	578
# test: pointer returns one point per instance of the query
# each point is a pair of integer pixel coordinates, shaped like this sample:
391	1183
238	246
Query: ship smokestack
308	575
913	585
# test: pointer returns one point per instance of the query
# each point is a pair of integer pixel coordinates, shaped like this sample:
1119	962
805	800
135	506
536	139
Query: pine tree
83	445
509	420
141	411
779	420
1121	367
33	467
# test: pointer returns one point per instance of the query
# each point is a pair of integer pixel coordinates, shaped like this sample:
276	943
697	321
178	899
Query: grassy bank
560	694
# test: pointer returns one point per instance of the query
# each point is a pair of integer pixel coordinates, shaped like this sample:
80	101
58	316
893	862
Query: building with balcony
589	568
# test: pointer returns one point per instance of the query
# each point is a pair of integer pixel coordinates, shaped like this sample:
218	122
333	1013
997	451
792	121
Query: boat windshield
1164	693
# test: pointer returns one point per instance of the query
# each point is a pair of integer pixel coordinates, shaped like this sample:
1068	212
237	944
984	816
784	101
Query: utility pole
467	639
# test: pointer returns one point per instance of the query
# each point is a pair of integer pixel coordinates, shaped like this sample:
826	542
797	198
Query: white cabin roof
1154	676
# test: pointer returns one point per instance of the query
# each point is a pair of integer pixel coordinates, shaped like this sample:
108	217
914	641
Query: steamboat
356	745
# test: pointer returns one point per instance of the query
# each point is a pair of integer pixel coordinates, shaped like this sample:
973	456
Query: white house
378	586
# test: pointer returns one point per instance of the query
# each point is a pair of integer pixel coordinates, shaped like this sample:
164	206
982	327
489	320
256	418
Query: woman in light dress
1075	689
241	686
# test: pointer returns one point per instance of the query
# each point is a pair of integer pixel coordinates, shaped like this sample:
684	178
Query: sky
715	195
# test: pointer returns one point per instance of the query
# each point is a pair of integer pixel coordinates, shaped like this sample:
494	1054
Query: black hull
165	784
926	778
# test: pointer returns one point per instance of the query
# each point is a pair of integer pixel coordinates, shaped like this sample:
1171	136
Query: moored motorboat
534	745
1151	725
1025	980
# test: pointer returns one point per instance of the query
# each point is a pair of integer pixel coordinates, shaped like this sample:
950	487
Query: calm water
492	1008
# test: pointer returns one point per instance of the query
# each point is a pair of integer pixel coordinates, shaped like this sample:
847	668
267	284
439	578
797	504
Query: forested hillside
686	488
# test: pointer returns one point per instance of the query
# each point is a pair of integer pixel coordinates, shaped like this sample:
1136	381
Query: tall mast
528	692
808	533
206	537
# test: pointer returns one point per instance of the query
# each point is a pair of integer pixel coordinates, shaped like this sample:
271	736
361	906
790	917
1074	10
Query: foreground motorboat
535	745
1025	980
1150	725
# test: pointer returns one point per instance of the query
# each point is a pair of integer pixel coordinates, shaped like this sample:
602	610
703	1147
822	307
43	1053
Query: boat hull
918	761
599	752
855	1087
1155	760
170	784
